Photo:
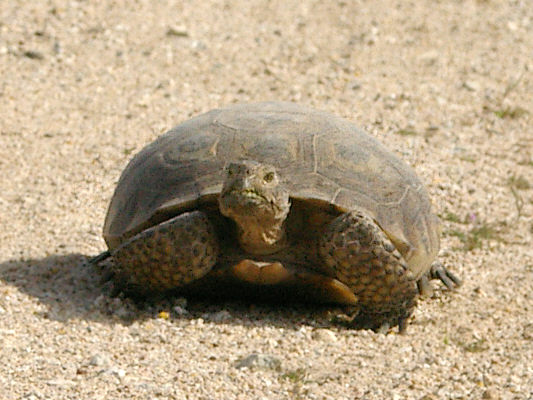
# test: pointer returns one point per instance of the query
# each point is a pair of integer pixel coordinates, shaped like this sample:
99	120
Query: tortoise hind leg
167	256
437	271
360	255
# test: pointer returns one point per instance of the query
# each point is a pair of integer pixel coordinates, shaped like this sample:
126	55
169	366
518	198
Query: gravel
445	84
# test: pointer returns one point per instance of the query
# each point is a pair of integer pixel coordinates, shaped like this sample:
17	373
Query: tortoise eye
269	177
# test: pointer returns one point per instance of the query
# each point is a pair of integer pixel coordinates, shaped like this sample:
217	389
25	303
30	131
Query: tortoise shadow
66	284
71	288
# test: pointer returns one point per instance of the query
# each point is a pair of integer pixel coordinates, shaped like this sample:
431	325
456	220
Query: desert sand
446	85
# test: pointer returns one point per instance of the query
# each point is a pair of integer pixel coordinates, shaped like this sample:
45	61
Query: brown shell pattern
320	157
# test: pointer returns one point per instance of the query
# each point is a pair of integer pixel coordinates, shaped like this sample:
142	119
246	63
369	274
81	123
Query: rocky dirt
446	84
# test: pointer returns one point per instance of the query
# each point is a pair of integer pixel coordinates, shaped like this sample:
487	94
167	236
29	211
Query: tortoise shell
323	160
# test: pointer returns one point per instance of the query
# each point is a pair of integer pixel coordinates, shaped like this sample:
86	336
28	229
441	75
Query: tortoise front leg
361	256
167	256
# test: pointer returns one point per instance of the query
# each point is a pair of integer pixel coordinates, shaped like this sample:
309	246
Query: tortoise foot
166	256
379	322
439	271
361	256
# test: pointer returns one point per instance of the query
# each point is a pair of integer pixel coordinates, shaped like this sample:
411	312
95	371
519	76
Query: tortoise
279	198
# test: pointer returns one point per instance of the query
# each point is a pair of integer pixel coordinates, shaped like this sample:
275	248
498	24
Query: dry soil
446	84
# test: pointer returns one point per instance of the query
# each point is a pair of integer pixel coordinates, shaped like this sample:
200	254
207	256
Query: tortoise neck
261	237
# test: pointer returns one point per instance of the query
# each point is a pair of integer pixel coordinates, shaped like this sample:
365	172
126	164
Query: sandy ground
446	84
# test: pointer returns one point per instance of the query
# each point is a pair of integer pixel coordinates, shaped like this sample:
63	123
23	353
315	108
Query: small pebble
178	31
34	55
180	302
429	57
472	86
179	310
163	315
60	382
489	395
220	316
324	335
99	360
118	372
261	361
354	85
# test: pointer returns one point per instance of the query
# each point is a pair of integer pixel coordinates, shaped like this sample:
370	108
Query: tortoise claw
424	287
402	325
99	258
439	271
386	325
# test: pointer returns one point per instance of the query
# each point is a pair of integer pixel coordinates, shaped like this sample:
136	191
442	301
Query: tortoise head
254	196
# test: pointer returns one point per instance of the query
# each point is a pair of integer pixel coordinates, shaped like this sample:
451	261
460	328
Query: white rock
220	316
324	335
256	360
